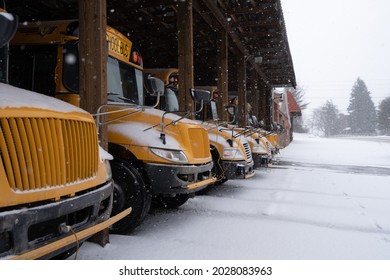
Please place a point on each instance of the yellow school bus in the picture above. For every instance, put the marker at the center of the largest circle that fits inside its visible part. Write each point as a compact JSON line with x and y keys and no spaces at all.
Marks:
{"x":55,"y":181}
{"x":157,"y":156}
{"x":261,"y":155}
{"x":272,"y":140}
{"x":231,"y":156}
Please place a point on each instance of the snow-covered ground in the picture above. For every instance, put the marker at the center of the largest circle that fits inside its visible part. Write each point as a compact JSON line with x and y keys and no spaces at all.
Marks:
{"x":326,"y":199}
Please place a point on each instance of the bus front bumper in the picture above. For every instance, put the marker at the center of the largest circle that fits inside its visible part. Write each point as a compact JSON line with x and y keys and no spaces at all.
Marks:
{"x":238,"y":169}
{"x":176,"y":179}
{"x":261,"y":159}
{"x":29,"y":229}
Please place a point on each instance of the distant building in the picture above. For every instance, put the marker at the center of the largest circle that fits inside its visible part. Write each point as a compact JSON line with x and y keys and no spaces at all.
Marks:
{"x":285,"y":109}
{"x":281,"y":118}
{"x":294,"y":110}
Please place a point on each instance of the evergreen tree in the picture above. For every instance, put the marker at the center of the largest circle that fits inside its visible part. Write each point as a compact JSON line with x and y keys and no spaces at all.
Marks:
{"x":361,"y":109}
{"x":384,"y":116}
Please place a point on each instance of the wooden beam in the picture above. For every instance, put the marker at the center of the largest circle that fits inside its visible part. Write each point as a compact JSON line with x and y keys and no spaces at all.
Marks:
{"x":93,"y":51}
{"x":93,"y":70}
{"x":185,"y":54}
{"x":255,"y":23}
{"x":149,"y":4}
{"x":263,"y":102}
{"x":222,"y":61}
{"x":241,"y":88}
{"x":251,"y":10}
{"x":254,"y":88}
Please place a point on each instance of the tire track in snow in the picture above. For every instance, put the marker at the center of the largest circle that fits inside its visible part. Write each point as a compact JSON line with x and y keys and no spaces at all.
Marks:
{"x":213,"y":213}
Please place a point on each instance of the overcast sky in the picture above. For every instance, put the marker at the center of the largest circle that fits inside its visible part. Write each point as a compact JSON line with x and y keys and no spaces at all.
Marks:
{"x":333,"y":42}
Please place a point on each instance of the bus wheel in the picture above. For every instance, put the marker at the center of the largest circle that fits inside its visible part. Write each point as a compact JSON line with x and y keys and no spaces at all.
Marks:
{"x":171,"y":202}
{"x":130,"y":190}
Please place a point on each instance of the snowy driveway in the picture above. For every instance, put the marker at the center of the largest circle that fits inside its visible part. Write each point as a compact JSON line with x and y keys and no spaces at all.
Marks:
{"x":325,"y":199}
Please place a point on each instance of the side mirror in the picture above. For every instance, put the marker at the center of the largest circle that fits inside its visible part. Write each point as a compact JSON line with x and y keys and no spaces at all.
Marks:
{"x":231,"y":109}
{"x":255,"y":121}
{"x":199,"y":94}
{"x":8,"y":26}
{"x":214,"y":111}
{"x":262,"y":123}
{"x":154,"y":86}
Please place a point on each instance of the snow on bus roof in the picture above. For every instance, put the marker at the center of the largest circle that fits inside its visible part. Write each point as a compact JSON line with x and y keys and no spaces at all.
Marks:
{"x":13,"y":97}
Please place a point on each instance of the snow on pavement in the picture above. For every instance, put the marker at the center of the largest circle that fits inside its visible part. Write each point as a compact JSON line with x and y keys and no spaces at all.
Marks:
{"x":301,"y":208}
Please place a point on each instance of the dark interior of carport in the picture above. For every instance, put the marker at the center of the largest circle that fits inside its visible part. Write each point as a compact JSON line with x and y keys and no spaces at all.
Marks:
{"x":239,"y":45}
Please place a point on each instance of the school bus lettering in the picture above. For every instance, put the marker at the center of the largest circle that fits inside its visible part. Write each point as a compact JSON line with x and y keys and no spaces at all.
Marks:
{"x":118,"y":46}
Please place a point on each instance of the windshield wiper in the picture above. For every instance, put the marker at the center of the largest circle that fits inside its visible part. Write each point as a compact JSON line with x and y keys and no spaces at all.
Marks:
{"x":111,"y":93}
{"x":118,"y":96}
{"x":126,"y":99}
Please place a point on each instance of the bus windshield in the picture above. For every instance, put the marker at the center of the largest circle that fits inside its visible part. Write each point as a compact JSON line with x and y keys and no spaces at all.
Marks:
{"x":124,"y":82}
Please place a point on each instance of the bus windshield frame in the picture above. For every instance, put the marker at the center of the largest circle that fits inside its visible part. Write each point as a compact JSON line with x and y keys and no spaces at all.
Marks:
{"x":124,"y":81}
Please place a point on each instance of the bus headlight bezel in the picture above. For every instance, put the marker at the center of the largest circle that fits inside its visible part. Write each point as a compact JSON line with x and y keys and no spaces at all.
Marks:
{"x":232,"y":153}
{"x":176,"y":156}
{"x":259,"y":149}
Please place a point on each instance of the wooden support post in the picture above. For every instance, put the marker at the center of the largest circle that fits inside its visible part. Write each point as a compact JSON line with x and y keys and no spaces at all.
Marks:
{"x":263,"y":102}
{"x":254,"y":94}
{"x":222,"y":68}
{"x":268,"y":107}
{"x":93,"y":70}
{"x":241,"y":88}
{"x":185,"y":54}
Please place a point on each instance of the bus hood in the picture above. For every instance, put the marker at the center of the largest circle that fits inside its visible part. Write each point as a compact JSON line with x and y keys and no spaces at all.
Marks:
{"x":13,"y":97}
{"x":144,"y":128}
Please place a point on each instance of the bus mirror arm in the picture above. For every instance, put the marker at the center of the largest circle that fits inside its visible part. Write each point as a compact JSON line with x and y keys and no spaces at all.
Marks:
{"x":200,"y":109}
{"x":163,"y":126}
{"x":227,"y":129}
{"x":99,"y":113}
{"x":157,"y":102}
{"x":253,"y":131}
{"x":233,"y":120}
{"x":247,"y":131}
{"x":217,"y":124}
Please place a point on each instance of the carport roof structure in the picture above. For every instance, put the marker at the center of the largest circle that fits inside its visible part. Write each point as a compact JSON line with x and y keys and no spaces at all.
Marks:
{"x":256,"y":28}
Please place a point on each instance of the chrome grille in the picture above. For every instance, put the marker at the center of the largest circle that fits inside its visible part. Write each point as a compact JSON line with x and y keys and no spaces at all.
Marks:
{"x":248,"y":153}
{"x":45,"y":152}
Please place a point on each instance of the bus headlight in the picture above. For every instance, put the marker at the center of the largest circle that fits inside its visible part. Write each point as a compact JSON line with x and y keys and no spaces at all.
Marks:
{"x":232,"y":153}
{"x":171,"y":155}
{"x":259,"y":149}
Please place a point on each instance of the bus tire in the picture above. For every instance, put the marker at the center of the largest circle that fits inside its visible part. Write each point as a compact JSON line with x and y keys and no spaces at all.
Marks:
{"x":130,"y":190}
